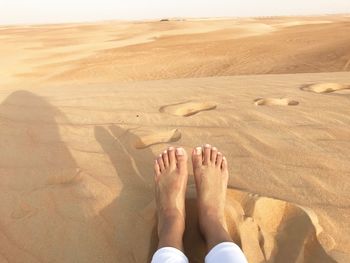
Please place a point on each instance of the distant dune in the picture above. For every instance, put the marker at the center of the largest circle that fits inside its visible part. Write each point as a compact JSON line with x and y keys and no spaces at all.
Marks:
{"x":85,"y":108}
{"x":176,"y":49}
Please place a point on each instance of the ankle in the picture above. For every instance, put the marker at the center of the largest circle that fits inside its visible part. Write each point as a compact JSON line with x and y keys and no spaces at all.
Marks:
{"x":170,"y":231}
{"x":172,"y":213}
{"x":214,"y":230}
{"x":216,"y":235}
{"x":212,"y":215}
{"x":209,"y":224}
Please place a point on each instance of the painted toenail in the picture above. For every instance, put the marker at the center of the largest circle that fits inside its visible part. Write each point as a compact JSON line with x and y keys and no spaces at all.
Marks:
{"x":198,"y":150}
{"x":180,"y":151}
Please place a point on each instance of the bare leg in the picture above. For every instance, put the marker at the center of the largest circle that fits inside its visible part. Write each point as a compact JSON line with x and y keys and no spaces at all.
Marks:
{"x":170,"y":183}
{"x":211,"y":177}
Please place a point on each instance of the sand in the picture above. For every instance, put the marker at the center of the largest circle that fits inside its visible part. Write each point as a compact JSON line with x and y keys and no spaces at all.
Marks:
{"x":84,"y":108}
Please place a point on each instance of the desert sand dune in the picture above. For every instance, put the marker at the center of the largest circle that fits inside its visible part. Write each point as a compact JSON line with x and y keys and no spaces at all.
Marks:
{"x":121,"y":51}
{"x":85,"y":108}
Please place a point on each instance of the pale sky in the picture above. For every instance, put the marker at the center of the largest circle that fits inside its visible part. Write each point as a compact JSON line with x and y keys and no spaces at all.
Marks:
{"x":53,"y":11}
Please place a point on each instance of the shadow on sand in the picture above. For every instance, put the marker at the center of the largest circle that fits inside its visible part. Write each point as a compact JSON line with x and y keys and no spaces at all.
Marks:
{"x":44,"y":202}
{"x":133,"y":212}
{"x":37,"y":180}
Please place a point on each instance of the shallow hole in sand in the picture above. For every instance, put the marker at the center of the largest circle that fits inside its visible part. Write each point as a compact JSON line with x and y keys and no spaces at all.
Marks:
{"x":188,"y":108}
{"x":275,"y":102}
{"x":325,"y":87}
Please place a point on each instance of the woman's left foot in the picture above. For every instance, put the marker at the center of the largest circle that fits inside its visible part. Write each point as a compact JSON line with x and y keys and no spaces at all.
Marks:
{"x":171,"y":177}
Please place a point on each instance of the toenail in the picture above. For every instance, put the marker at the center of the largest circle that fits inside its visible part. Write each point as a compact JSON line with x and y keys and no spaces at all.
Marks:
{"x":198,"y":150}
{"x":207,"y":145}
{"x":171,"y":148}
{"x":214,"y":149}
{"x":219,"y":153}
{"x":165,"y":152}
{"x":180,"y":151}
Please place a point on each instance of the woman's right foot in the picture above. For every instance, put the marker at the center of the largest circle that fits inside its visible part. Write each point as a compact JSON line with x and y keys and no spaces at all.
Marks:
{"x":211,"y":178}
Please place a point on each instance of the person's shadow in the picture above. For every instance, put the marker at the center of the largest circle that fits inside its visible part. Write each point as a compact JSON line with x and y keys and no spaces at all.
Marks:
{"x":47,"y":200}
{"x":132,"y":213}
{"x":39,"y":181}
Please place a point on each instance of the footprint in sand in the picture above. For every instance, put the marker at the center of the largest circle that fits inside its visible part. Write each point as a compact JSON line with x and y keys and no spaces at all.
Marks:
{"x":324,"y":87}
{"x":275,"y":101}
{"x":146,"y":138}
{"x":188,"y":108}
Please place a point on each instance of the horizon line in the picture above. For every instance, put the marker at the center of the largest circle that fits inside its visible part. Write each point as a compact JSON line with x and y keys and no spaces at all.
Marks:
{"x":170,"y":19}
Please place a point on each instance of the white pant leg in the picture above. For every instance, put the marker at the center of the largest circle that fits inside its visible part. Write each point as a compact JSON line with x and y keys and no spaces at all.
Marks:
{"x":226,"y":252}
{"x":169,"y":255}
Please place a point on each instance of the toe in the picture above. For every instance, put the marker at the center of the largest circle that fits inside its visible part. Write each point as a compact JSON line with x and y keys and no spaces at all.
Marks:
{"x":165,"y":159}
{"x":218,"y":159}
{"x":160,"y":163}
{"x":156,"y":168}
{"x":181,"y":159}
{"x":214,"y":152}
{"x":207,"y":154}
{"x":172,"y":157}
{"x":197,"y":157}
{"x":224,"y":165}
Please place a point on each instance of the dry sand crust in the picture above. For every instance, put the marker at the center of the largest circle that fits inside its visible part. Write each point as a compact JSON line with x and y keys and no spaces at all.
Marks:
{"x":85,"y":108}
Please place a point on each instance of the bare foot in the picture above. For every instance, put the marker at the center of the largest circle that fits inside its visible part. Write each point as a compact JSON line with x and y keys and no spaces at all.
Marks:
{"x":211,"y":177}
{"x":170,"y":183}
